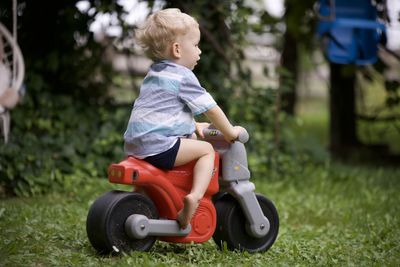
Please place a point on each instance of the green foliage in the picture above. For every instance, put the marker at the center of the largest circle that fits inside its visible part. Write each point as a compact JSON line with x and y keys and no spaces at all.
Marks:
{"x":60,"y":130}
{"x":300,"y":20}
{"x":60,"y":135}
{"x":57,"y":139}
{"x":378,"y":110}
{"x":61,"y":55}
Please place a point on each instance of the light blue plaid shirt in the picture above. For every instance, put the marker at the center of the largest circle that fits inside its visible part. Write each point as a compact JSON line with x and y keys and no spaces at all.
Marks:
{"x":170,"y":97}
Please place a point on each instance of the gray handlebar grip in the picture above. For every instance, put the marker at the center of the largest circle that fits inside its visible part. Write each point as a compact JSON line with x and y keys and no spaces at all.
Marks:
{"x":214,"y":134}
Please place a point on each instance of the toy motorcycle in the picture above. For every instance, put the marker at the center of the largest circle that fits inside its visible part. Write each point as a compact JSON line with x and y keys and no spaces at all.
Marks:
{"x":230,"y":211}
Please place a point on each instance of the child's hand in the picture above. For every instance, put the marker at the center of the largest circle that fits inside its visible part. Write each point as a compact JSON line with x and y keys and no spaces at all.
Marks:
{"x":236,"y":130}
{"x":200,"y":126}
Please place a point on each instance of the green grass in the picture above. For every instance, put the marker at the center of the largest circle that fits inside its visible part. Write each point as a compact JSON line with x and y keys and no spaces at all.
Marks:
{"x":331,"y":214}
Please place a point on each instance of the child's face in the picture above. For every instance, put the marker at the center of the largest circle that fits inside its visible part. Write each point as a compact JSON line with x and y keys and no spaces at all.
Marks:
{"x":189,"y":48}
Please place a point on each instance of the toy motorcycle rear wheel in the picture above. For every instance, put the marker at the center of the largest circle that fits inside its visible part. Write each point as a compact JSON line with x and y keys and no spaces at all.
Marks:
{"x":231,"y":225}
{"x":105,"y":225}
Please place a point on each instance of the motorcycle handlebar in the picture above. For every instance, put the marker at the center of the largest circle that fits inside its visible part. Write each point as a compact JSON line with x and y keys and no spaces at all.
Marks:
{"x":214,"y":134}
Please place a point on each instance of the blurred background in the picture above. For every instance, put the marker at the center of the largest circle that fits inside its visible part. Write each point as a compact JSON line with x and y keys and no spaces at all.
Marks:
{"x":261,"y":60}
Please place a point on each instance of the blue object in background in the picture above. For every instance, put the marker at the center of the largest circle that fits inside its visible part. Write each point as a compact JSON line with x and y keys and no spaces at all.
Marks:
{"x":350,"y":30}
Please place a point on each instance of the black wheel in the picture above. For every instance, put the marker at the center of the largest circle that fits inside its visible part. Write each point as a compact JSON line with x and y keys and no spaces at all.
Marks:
{"x":231,"y":225}
{"x":105,"y":224}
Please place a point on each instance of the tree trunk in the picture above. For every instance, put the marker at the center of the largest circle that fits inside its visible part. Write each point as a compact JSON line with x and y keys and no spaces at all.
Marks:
{"x":289,"y":63}
{"x":343,"y":130}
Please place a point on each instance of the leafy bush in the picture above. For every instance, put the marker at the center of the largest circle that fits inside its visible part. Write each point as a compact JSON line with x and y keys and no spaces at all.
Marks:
{"x":57,"y":143}
{"x":59,"y":138}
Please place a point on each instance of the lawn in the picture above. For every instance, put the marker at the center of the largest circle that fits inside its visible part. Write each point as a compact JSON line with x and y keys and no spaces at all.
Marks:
{"x":330,"y":214}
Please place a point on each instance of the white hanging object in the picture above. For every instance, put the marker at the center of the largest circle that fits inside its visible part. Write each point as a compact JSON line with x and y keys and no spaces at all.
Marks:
{"x":12,"y":70}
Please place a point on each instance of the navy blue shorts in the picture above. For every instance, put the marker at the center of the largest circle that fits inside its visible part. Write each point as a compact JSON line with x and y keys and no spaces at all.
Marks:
{"x":166,"y":159}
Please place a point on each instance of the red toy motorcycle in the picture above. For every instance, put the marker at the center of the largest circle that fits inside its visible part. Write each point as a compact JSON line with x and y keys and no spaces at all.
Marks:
{"x":229,"y":212}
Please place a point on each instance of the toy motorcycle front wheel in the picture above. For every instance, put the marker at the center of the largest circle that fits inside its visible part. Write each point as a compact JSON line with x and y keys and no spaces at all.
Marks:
{"x":231,"y":225}
{"x":105,"y":225}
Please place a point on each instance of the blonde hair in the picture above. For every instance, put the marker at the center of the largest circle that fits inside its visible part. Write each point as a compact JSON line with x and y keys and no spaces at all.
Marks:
{"x":161,"y":30}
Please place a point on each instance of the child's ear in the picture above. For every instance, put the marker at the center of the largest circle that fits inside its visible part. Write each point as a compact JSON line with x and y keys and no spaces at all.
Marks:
{"x":176,"y":50}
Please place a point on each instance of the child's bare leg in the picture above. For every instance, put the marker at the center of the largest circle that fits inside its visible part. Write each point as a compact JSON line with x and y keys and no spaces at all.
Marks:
{"x":190,"y":150}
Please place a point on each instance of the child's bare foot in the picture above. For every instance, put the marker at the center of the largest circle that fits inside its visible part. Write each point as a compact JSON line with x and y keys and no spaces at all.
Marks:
{"x":190,"y":205}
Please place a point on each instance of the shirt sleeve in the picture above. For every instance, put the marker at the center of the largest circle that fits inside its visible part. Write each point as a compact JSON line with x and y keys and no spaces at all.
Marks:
{"x":195,"y":96}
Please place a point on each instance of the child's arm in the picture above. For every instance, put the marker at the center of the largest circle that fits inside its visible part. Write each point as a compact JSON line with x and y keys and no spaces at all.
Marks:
{"x":221,"y":122}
